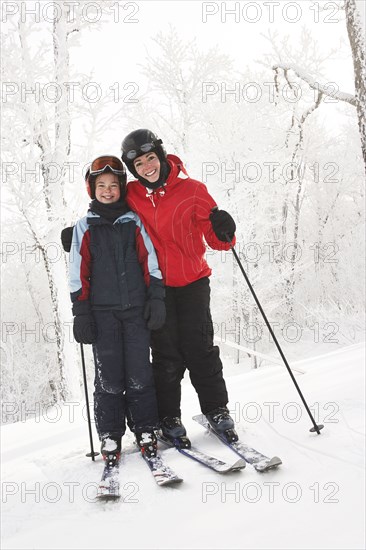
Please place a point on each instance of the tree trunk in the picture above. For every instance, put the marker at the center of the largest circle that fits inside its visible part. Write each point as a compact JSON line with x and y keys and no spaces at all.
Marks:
{"x":69,"y":381}
{"x":356,"y":38}
{"x":47,"y":237}
{"x":290,"y":290}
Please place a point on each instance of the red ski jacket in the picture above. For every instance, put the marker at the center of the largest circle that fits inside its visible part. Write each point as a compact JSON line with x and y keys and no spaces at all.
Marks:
{"x":176,"y":218}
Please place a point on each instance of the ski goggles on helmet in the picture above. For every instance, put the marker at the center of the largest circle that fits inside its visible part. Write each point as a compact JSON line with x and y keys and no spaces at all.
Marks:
{"x":143,"y":149}
{"x":100,"y":164}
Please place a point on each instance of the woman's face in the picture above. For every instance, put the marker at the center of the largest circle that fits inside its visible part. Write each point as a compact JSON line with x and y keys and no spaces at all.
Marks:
{"x":107,"y":189}
{"x":148,"y":167}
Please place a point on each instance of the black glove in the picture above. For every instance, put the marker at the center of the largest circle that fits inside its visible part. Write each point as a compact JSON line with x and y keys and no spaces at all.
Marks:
{"x":155,"y":311}
{"x":222,"y":224}
{"x":85,"y":329}
{"x":155,"y":314}
{"x":66,"y":238}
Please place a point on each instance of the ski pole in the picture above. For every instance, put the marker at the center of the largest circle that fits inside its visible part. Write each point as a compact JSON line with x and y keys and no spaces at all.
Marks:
{"x":92,"y":453}
{"x":316,"y":427}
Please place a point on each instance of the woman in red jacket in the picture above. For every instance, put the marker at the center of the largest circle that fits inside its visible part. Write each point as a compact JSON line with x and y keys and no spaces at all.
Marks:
{"x":179,"y":215}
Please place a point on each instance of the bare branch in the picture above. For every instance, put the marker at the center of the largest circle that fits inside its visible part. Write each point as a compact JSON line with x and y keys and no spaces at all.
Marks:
{"x":341,"y":96}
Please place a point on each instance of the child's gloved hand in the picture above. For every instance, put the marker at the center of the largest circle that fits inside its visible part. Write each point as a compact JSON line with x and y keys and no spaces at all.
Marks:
{"x":85,"y":330}
{"x":222,"y":224}
{"x":66,"y":238}
{"x":155,"y":313}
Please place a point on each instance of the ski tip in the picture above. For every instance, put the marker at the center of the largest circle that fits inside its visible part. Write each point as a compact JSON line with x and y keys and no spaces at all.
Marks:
{"x":227,"y":469}
{"x":239,"y":464}
{"x":170,"y":481}
{"x":199,"y":417}
{"x":274,"y":462}
{"x":108,"y":498}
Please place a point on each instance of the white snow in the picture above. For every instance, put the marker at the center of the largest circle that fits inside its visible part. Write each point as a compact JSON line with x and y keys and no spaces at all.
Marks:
{"x":315,"y":500}
{"x":110,"y":444}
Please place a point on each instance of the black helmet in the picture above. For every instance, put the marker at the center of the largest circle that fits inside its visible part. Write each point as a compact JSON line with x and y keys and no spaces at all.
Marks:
{"x":138,"y":143}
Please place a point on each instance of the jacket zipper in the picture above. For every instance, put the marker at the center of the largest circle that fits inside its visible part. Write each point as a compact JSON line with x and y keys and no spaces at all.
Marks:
{"x":150,"y":196}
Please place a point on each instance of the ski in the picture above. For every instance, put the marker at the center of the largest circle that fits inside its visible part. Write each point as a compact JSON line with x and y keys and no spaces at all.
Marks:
{"x":259,"y":461}
{"x":182,"y":444}
{"x":108,"y":488}
{"x":161,"y":472}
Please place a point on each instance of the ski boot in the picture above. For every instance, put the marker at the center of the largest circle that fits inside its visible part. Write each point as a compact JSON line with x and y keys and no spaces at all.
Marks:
{"x":222,"y":423}
{"x":147,"y":443}
{"x":111,"y":449}
{"x":173,"y":430}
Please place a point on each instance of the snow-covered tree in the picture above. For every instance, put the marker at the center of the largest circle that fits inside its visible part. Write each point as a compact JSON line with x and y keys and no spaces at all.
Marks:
{"x":356,"y":35}
{"x":38,"y":139}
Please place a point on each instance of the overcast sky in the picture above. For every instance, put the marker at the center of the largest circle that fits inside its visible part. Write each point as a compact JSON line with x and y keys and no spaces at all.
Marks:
{"x":236,"y":27}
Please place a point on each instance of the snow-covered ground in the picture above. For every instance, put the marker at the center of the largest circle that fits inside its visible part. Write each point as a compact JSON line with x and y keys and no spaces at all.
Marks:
{"x":315,"y":500}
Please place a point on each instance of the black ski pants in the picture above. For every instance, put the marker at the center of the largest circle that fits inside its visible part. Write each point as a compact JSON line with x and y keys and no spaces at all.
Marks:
{"x":186,"y":342}
{"x":124,"y":382}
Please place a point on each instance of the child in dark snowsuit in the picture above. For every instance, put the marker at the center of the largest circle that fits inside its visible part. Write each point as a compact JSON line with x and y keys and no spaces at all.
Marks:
{"x":118,"y":295}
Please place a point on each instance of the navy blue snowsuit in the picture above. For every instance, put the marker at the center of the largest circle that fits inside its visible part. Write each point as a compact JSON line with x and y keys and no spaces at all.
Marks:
{"x":115,"y":268}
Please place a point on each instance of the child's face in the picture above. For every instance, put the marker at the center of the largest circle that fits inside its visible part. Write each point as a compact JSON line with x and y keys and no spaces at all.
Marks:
{"x":107,"y":189}
{"x":148,"y":167}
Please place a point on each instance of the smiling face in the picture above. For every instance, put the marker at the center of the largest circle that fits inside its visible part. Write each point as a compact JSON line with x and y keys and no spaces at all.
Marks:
{"x":148,"y":167}
{"x":107,"y":188}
